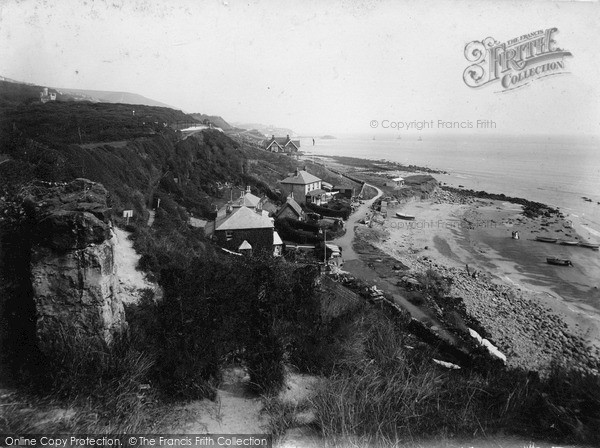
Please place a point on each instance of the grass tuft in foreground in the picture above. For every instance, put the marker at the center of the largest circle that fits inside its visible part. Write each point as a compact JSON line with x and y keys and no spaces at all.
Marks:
{"x":394,"y":393}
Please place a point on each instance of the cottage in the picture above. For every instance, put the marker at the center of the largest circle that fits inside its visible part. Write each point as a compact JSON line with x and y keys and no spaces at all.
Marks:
{"x":46,"y":96}
{"x":244,"y":224}
{"x":267,"y":205}
{"x":395,"y":182}
{"x":304,"y":187}
{"x":247,"y":199}
{"x":281,"y":144}
{"x":291,"y":209}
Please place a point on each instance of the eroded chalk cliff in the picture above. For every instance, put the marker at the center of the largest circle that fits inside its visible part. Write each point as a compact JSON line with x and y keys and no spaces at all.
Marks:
{"x":73,"y":276}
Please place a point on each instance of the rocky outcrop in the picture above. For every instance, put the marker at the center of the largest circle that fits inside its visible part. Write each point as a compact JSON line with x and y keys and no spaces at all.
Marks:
{"x":72,"y":264}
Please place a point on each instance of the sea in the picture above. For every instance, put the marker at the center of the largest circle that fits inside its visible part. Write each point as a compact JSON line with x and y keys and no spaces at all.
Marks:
{"x":560,"y":171}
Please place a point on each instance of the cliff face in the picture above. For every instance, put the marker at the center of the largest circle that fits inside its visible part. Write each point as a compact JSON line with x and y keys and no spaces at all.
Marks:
{"x":72,"y":264}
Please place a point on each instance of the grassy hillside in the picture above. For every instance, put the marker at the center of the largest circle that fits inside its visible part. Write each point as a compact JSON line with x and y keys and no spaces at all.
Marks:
{"x":58,"y":123}
{"x":111,"y":97}
{"x":14,"y":92}
{"x":136,"y":162}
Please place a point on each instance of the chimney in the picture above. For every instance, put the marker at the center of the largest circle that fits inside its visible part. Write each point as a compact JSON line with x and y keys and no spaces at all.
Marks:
{"x":288,"y":136}
{"x":247,"y":188}
{"x":304,"y":167}
{"x":296,"y":173}
{"x":273,"y":137}
{"x":228,"y":209}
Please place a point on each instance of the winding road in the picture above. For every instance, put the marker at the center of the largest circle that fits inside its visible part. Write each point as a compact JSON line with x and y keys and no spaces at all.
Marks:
{"x":345,"y":241}
{"x":357,"y":267}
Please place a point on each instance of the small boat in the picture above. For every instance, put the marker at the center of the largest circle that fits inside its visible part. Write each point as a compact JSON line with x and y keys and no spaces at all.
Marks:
{"x":590,"y":245}
{"x":404,"y":216}
{"x":569,"y":243}
{"x":559,"y":261}
{"x":545,"y":239}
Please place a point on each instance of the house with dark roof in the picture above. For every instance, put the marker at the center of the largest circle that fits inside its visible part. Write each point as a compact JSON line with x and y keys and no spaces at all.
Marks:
{"x":282,"y":144}
{"x":304,"y":187}
{"x":291,"y":209}
{"x":243,"y":224}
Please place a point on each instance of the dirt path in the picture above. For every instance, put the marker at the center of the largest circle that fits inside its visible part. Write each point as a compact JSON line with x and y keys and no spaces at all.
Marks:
{"x":131,"y":281}
{"x":233,"y":412}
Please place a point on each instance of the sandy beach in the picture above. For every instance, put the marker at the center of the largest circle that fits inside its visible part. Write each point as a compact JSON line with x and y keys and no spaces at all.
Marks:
{"x":534,"y":312}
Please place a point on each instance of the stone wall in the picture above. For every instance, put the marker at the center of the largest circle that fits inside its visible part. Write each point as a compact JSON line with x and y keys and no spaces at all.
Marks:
{"x":72,"y":264}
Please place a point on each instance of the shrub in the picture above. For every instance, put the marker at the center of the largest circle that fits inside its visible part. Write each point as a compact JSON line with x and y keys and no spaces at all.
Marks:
{"x":341,"y":212}
{"x":257,"y":309}
{"x":109,"y":377}
{"x":297,"y":235}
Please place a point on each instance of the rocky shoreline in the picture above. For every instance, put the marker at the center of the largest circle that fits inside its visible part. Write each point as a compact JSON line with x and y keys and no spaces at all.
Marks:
{"x":531,"y":209}
{"x":532,"y":335}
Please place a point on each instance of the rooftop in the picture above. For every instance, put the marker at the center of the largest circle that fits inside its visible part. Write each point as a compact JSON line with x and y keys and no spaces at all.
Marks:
{"x":243,"y":218}
{"x":301,"y":177}
{"x":294,"y":205}
{"x":249,"y":200}
{"x":245,"y":246}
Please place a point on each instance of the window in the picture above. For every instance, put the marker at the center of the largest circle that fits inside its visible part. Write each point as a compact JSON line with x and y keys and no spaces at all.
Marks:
{"x":228,"y":235}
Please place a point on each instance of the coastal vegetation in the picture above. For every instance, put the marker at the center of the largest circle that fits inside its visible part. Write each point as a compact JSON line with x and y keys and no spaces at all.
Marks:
{"x":334,"y":209}
{"x":394,"y":393}
{"x":264,"y":314}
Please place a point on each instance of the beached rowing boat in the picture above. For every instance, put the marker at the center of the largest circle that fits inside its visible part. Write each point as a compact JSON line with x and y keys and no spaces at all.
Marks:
{"x":569,"y":243}
{"x":559,"y":261}
{"x":404,"y":216}
{"x":590,"y":245}
{"x":545,"y":239}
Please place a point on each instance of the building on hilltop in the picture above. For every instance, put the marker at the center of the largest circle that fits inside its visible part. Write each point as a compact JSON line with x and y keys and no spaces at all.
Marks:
{"x":46,"y":96}
{"x":304,"y":187}
{"x":282,"y":144}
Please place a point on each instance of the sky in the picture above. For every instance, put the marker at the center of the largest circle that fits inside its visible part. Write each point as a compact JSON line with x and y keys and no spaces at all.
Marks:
{"x":336,"y":66}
